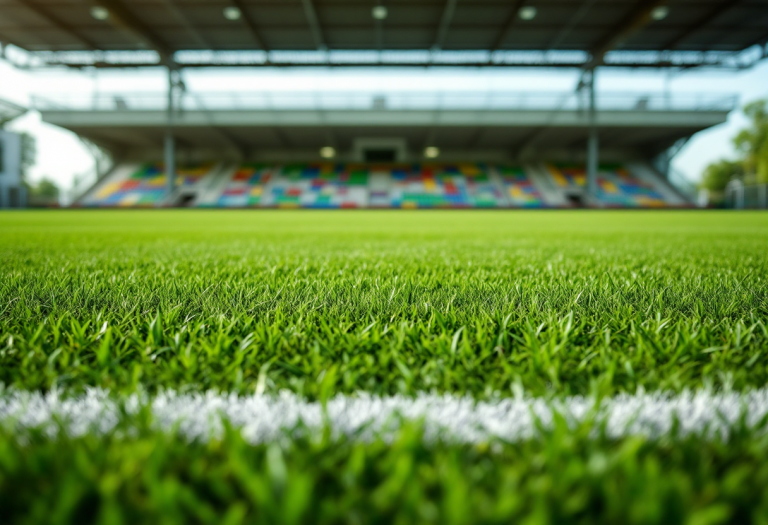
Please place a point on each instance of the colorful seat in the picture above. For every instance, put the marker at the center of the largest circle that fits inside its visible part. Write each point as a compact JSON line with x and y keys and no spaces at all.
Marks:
{"x":520,"y":189}
{"x":246,"y":186}
{"x":616,"y":185}
{"x":146,"y":186}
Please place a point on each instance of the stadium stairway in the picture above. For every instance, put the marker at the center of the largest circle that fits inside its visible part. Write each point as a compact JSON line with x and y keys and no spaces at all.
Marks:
{"x":552,"y":195}
{"x":347,"y":185}
{"x":650,"y":176}
{"x":207,"y":192}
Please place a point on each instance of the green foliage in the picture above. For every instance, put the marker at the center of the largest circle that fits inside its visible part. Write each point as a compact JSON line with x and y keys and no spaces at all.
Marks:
{"x":46,"y":189}
{"x":752,"y":145}
{"x":565,"y":477}
{"x":467,"y":303}
{"x":718,"y":174}
{"x":752,"y":142}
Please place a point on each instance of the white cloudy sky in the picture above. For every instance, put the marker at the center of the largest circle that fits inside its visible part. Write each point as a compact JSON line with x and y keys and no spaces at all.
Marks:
{"x":61,"y":156}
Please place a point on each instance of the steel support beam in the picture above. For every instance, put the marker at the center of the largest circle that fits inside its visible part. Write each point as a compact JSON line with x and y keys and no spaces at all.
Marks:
{"x":707,"y":19}
{"x":445,"y":23}
{"x":511,"y":19}
{"x":181,"y":17}
{"x":571,"y":25}
{"x":170,"y":139}
{"x":250,"y":24}
{"x":314,"y":24}
{"x":632,"y":24}
{"x":170,"y":162}
{"x":124,"y":19}
{"x":59,"y":24}
{"x":593,"y":140}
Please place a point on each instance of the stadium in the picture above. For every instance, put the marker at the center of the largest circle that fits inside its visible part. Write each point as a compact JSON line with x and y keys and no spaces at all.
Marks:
{"x":246,"y":316}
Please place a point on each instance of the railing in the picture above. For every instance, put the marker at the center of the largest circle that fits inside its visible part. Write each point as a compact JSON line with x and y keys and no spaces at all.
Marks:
{"x":397,"y":101}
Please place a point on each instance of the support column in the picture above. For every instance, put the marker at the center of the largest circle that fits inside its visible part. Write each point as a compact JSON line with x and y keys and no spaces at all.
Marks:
{"x":592,"y":141}
{"x":170,"y":162}
{"x":170,"y":139}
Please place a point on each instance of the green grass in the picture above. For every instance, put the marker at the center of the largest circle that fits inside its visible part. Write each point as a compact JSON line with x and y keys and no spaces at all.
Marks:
{"x":558,"y":303}
{"x":565,"y":478}
{"x":470,"y":303}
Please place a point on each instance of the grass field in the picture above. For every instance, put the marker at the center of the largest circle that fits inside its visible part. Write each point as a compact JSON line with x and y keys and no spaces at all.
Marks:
{"x":479,"y":306}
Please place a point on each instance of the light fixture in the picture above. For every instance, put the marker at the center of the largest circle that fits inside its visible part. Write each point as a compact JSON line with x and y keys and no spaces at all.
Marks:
{"x":431,"y":152}
{"x":660,"y":12}
{"x":379,"y":12}
{"x":99,"y":12}
{"x":527,"y":12}
{"x":327,"y":152}
{"x":232,"y":13}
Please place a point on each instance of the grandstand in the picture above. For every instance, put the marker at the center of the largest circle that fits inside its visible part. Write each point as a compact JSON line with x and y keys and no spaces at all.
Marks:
{"x":454,"y":150}
{"x":504,"y":151}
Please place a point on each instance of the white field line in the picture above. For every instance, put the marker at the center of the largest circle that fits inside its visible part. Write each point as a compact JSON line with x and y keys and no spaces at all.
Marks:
{"x":267,"y":418}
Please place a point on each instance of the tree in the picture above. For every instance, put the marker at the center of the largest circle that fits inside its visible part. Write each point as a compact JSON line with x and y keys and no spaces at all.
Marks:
{"x":751,"y":145}
{"x":45,"y":189}
{"x":718,"y":174}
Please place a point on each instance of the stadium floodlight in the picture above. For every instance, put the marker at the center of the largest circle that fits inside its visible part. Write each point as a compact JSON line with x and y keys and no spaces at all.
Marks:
{"x":99,"y":12}
{"x":379,"y":12}
{"x":660,"y":12}
{"x":327,"y":152}
{"x":232,"y":13}
{"x":527,"y":12}
{"x":431,"y":152}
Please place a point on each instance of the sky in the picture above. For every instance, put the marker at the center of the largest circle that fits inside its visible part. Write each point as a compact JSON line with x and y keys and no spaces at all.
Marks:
{"x":61,"y":156}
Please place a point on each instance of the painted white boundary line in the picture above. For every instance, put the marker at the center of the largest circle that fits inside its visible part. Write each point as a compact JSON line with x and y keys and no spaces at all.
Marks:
{"x":266,"y":418}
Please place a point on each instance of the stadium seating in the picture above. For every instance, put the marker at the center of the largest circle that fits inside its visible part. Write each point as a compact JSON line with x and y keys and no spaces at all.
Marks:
{"x":444,"y":186}
{"x":341,"y":185}
{"x":616,"y":186}
{"x":317,"y":186}
{"x":246,"y":187}
{"x":357,"y":185}
{"x":520,"y":190}
{"x":145,"y":187}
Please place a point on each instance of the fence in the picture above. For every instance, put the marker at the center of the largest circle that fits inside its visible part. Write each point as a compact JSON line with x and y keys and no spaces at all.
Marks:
{"x":742,"y":197}
{"x":403,"y":100}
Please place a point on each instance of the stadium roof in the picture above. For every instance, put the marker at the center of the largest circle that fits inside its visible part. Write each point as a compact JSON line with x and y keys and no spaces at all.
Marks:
{"x":489,"y":28}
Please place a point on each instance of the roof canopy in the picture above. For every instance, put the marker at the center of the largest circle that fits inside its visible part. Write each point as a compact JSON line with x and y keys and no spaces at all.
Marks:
{"x":594,"y":27}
